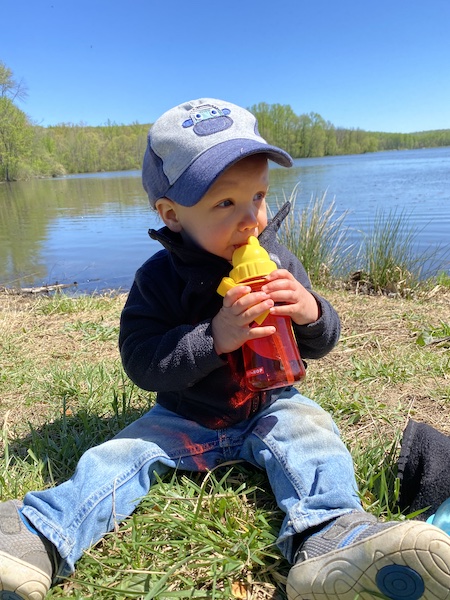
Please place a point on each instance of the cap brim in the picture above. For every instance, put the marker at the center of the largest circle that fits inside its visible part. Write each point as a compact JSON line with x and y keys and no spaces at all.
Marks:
{"x":193,"y":184}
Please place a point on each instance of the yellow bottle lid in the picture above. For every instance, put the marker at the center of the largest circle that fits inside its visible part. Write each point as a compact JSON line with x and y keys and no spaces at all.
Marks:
{"x":251,"y":260}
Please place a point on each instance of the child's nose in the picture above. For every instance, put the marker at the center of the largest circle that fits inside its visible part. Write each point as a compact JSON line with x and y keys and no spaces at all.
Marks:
{"x":248,"y":221}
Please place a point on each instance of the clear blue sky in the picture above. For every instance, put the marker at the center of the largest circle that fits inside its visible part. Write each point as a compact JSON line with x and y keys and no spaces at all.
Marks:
{"x":379,"y":65}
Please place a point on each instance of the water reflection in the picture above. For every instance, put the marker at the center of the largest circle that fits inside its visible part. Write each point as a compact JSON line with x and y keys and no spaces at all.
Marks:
{"x":71,"y":229}
{"x":93,"y":229}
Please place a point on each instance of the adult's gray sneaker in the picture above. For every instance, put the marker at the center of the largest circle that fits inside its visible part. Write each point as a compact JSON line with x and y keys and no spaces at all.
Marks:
{"x":357,"y":557}
{"x":26,"y":559}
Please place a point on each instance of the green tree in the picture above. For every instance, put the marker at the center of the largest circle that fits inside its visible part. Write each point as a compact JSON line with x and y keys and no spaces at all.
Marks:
{"x":330,"y":139}
{"x":15,"y":129}
{"x":9,"y":87}
{"x":278,"y":124}
{"x":318,"y":135}
{"x":15,"y":139}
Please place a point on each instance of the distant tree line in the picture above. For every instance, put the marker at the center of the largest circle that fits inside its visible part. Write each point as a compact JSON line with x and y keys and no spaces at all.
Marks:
{"x":309,"y":135}
{"x":28,"y":150}
{"x":84,"y":149}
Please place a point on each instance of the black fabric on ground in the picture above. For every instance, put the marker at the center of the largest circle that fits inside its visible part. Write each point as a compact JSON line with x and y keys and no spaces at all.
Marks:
{"x":423,"y":469}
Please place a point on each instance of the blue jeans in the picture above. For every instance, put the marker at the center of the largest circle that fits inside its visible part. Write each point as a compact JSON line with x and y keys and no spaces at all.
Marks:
{"x":294,"y":440}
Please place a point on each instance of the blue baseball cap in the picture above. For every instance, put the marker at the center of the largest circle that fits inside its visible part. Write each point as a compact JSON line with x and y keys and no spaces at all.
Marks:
{"x":190,"y":145}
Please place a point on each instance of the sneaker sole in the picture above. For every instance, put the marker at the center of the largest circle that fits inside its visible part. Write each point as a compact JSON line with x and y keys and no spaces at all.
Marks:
{"x":407,"y":562}
{"x":12,"y":570}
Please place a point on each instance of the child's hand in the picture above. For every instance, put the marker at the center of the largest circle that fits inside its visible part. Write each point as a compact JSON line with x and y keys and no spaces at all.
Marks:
{"x":291,"y":298}
{"x":231,"y":326}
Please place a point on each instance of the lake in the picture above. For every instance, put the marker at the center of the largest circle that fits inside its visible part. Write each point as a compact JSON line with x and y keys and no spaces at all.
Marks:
{"x":92,"y":229}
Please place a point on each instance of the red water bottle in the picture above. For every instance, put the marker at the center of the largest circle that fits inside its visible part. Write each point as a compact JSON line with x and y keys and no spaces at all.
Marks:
{"x":273,"y":361}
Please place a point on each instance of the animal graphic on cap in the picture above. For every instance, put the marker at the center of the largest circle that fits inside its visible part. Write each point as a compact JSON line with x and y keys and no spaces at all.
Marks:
{"x":208,"y":119}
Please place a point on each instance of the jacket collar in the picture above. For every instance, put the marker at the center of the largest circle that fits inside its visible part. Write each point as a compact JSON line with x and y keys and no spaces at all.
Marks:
{"x":194,"y":256}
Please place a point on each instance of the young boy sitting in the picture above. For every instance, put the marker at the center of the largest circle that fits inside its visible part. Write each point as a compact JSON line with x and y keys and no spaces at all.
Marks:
{"x":206,"y":173}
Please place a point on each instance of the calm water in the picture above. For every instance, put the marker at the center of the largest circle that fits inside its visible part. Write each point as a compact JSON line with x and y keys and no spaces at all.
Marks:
{"x":92,"y":229}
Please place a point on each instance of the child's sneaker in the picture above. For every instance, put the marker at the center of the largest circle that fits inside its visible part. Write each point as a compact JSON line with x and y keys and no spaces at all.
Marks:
{"x":358,"y":557}
{"x":26,"y":559}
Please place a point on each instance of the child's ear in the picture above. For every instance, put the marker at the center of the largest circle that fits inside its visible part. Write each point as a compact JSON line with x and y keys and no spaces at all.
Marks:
{"x":167,"y":210}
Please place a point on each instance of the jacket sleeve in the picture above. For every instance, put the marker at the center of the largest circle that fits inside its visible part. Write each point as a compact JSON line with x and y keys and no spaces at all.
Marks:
{"x":156,"y":355}
{"x":316,"y":339}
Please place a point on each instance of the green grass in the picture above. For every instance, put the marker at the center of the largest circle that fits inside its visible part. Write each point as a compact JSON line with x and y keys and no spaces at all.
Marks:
{"x":206,"y":536}
{"x":443,"y":279}
{"x":209,"y":535}
{"x":439,"y":335}
{"x":60,"y":303}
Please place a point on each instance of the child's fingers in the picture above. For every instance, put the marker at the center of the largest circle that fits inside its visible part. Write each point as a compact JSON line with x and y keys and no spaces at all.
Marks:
{"x":235,"y":294}
{"x":260,"y":332}
{"x":247,"y":305}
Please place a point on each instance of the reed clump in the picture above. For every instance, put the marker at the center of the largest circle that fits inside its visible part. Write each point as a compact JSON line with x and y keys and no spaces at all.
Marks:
{"x":318,"y":236}
{"x":385,"y":259}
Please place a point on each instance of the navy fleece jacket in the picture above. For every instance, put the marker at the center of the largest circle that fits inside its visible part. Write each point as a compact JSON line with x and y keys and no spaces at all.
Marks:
{"x":166,"y":341}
